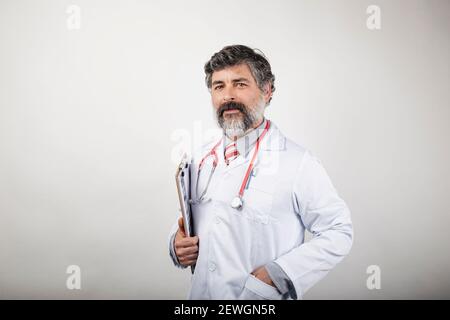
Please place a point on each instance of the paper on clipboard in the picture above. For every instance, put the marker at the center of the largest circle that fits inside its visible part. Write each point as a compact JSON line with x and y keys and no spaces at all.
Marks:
{"x":182,"y":178}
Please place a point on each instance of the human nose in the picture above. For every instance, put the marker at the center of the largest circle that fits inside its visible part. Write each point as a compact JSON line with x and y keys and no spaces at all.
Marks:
{"x":228,"y":94}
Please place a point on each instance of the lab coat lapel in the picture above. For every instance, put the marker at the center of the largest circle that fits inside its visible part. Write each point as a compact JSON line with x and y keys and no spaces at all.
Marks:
{"x":274,"y":141}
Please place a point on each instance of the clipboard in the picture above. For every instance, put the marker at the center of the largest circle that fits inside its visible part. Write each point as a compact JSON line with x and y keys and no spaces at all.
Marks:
{"x":182,"y":179}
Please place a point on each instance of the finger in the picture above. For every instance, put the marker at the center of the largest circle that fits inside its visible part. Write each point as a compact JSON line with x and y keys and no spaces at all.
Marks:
{"x":193,"y":256}
{"x":189,"y":263}
{"x":187,"y":242}
{"x":186,"y":251}
{"x":182,"y":245}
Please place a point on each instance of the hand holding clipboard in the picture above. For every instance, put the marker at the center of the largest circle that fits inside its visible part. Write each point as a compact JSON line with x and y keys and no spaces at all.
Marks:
{"x":186,"y":244}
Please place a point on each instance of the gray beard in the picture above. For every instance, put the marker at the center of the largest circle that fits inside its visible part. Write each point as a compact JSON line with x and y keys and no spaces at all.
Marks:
{"x":237,"y":126}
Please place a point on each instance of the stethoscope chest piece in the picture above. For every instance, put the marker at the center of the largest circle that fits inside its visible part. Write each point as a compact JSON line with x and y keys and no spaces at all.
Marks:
{"x":237,"y":203}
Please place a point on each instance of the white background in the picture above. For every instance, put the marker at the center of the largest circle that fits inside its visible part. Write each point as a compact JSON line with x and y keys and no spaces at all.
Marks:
{"x":89,"y":120}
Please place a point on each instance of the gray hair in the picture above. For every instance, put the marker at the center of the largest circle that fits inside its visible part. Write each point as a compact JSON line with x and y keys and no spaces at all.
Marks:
{"x":239,"y":54}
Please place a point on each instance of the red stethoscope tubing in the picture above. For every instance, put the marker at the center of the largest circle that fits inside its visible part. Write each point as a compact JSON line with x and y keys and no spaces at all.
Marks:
{"x":250,"y":167}
{"x":252,"y":162}
{"x":200,"y":166}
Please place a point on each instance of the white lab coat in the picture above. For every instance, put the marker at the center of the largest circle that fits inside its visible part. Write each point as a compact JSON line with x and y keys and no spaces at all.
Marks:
{"x":290,"y":192}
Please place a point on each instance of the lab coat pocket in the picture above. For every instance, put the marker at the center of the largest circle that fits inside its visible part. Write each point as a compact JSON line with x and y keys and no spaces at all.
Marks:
{"x":259,"y":205}
{"x":255,"y":289}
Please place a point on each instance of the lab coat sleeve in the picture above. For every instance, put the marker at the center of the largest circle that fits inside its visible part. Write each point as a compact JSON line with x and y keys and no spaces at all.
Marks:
{"x":172,"y":253}
{"x":327,"y":217}
{"x":279,"y":278}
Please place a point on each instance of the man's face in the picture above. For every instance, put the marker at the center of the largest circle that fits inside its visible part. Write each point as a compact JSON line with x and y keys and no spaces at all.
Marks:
{"x":238,"y":101}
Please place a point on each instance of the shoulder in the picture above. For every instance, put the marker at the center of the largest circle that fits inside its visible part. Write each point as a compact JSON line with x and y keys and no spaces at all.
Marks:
{"x":279,"y":142}
{"x":298,"y":155}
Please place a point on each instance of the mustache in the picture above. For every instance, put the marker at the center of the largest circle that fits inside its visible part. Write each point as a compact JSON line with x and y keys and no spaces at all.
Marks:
{"x":231,"y":106}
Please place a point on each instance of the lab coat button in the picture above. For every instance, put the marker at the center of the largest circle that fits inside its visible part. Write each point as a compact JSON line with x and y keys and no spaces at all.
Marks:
{"x":212,"y":266}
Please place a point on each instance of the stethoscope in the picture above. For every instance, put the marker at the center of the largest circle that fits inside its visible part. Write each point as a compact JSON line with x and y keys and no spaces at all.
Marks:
{"x":237,"y":201}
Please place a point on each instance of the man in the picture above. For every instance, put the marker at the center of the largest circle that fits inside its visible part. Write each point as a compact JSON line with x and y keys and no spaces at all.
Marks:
{"x":255,"y":194}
